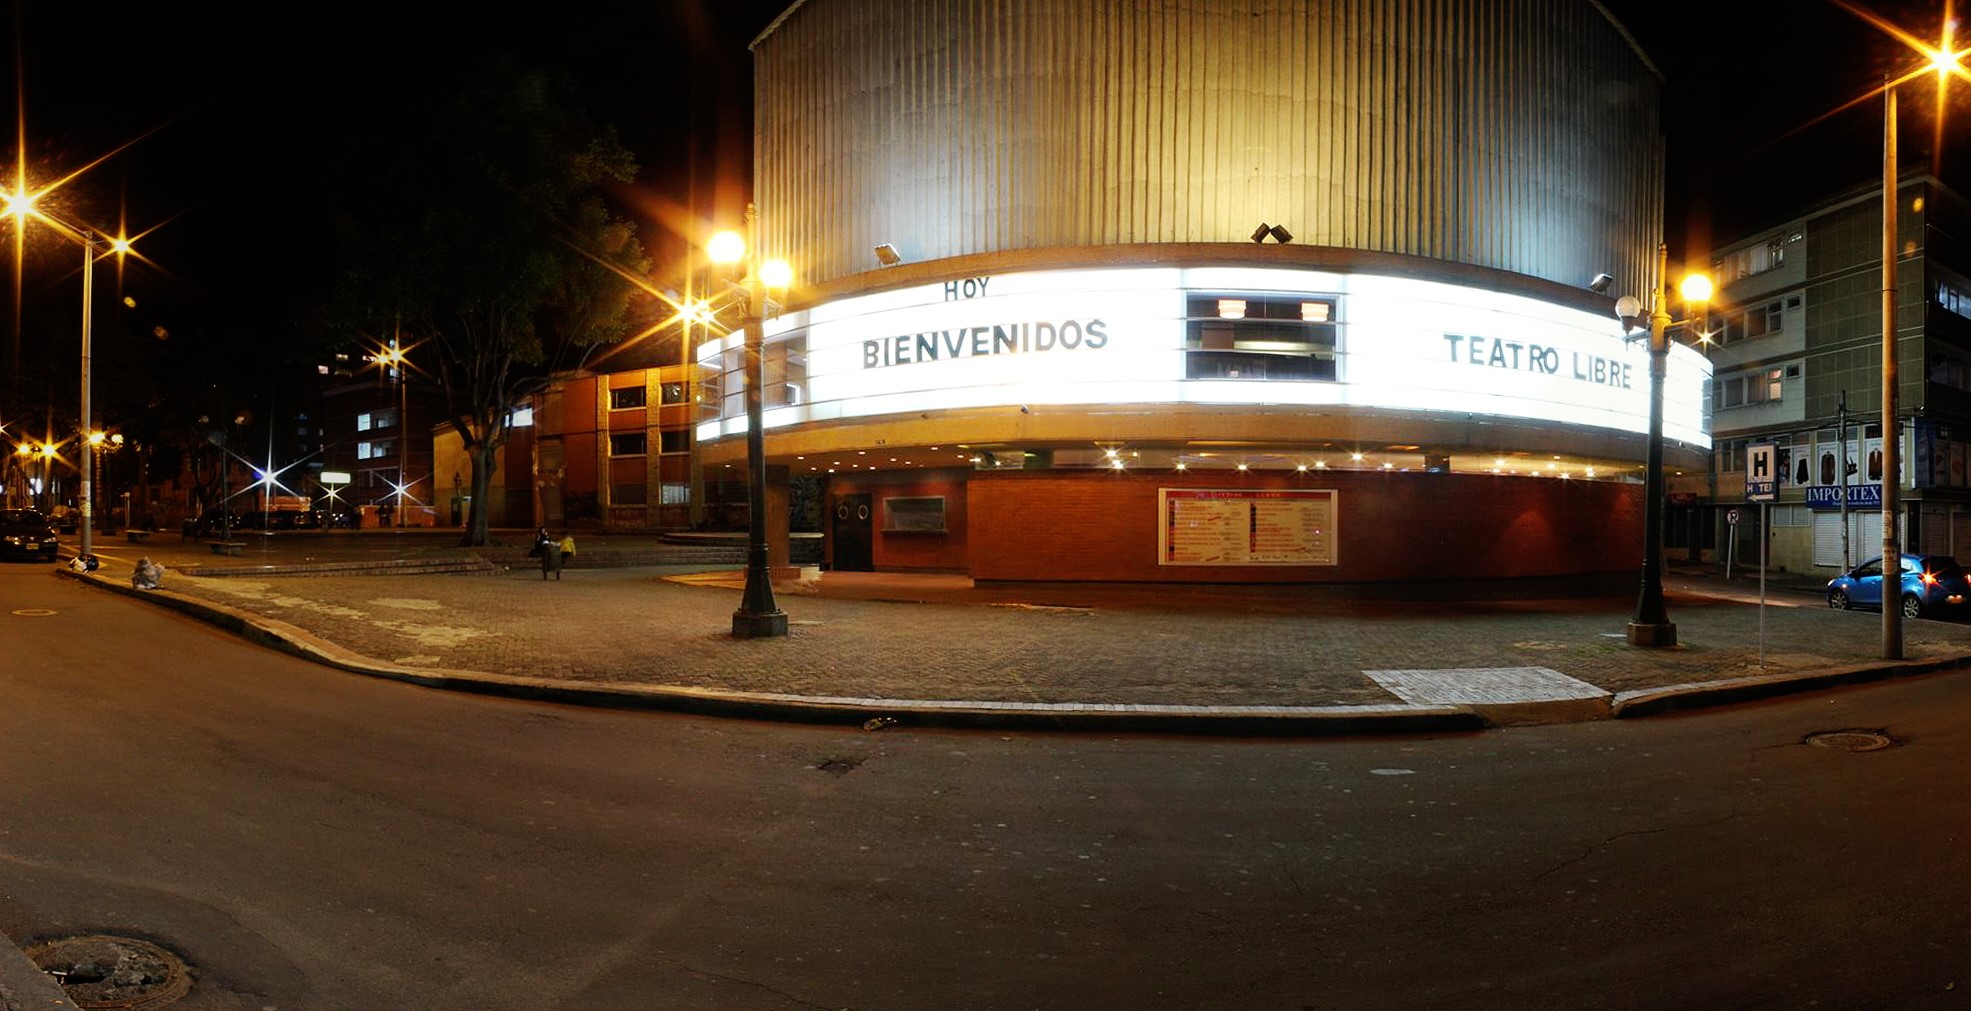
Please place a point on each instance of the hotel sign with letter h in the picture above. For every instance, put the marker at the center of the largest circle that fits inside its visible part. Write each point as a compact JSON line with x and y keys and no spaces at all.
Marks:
{"x":1761,"y":479}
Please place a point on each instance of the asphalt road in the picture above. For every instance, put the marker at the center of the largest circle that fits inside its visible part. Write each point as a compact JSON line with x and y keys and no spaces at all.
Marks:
{"x":310,"y":839}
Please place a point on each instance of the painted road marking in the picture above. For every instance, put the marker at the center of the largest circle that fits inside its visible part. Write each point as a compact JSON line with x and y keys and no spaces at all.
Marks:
{"x":34,"y":612}
{"x":1483,"y":686}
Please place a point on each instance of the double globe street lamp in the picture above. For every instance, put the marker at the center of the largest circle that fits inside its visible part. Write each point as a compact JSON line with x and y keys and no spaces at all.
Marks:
{"x":1651,"y":625}
{"x":758,"y":616}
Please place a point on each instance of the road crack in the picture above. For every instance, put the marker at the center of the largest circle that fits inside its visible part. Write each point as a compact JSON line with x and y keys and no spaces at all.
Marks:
{"x":1591,"y":850}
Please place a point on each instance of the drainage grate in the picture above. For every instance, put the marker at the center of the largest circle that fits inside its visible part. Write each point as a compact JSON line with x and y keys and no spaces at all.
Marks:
{"x":1852,"y":740}
{"x":104,"y":971}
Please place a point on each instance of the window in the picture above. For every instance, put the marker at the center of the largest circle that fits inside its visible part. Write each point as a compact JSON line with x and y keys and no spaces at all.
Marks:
{"x":672,"y":393}
{"x":924,"y":514}
{"x":1753,"y":259}
{"x":383,"y":419}
{"x":674,"y":494}
{"x":522,"y":417}
{"x":629,"y":494}
{"x":628,"y":445}
{"x":628,"y":396}
{"x":1759,"y":387}
{"x":675,"y":440}
{"x":362,"y":422}
{"x":1754,"y":321}
{"x":1249,"y":335}
{"x":1954,"y":299}
{"x":374,"y":450}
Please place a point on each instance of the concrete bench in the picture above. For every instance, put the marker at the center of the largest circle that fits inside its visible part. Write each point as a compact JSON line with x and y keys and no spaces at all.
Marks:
{"x":137,"y":536}
{"x":228,"y":547}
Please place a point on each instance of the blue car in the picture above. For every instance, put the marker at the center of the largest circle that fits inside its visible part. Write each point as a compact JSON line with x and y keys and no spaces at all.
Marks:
{"x":1931,"y":584}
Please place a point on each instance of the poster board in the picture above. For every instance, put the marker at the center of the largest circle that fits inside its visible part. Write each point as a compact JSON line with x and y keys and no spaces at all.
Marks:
{"x":1223,"y":526}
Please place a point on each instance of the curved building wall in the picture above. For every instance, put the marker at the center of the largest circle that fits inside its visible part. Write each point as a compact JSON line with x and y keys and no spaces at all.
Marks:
{"x":1520,"y":135}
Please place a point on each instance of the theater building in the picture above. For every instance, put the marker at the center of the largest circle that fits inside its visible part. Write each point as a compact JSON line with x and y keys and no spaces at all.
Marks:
{"x":1211,"y":291}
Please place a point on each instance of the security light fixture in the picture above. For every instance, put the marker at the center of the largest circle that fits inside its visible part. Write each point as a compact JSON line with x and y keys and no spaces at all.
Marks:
{"x":1600,"y":283}
{"x":1278,"y":232}
{"x":887,"y":255}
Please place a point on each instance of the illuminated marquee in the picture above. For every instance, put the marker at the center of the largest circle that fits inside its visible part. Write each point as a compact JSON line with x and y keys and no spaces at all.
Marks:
{"x":1092,"y":337}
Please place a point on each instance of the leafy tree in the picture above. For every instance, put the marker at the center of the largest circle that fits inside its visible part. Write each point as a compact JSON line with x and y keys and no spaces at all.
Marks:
{"x":478,"y":227}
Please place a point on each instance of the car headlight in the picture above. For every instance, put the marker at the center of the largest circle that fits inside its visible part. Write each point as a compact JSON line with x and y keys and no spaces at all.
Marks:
{"x":14,"y":539}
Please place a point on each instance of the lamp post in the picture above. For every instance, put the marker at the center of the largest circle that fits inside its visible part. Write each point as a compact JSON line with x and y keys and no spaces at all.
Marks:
{"x":1892,"y":614}
{"x":758,"y":616}
{"x":397,"y":358}
{"x":1946,"y":61}
{"x":1651,"y":625}
{"x":20,"y":206}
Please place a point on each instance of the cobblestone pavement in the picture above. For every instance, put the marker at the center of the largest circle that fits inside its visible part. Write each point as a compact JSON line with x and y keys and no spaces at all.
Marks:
{"x":853,"y":635}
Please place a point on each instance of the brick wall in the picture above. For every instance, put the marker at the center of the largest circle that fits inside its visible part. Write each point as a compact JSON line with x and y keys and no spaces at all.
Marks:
{"x":1056,"y":525}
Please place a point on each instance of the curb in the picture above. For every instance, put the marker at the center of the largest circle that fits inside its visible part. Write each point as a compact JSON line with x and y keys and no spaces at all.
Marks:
{"x":876,"y":713}
{"x":23,"y":986}
{"x":1296,"y":721}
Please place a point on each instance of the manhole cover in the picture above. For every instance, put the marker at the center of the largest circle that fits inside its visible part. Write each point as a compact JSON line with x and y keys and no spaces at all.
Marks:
{"x":102,"y":971}
{"x":1851,"y":740}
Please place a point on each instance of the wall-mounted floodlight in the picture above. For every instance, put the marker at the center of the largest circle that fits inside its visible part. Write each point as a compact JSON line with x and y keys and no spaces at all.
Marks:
{"x":1259,"y":234}
{"x":887,"y":255}
{"x":1601,"y":282}
{"x":1280,"y":234}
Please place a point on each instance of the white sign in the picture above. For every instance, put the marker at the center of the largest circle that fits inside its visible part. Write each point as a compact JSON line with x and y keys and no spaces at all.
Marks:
{"x":1092,"y":337}
{"x":334,"y":477}
{"x":1761,"y":473}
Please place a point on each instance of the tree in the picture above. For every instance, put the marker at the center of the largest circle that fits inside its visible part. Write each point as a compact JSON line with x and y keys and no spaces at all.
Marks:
{"x":485,"y":235}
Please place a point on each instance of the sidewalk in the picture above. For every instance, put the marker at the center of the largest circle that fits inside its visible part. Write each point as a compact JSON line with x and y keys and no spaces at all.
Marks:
{"x":927,"y":649}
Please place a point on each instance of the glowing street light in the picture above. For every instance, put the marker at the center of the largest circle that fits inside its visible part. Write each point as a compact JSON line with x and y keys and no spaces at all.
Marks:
{"x":1651,"y":625}
{"x":20,"y":205}
{"x":1946,"y":61}
{"x":758,"y":616}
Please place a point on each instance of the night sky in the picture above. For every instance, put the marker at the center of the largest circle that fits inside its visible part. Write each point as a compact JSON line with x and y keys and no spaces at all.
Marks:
{"x":217,"y":129}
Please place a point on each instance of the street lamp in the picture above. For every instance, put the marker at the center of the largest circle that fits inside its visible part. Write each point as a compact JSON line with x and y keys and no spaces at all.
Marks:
{"x":1946,"y":61}
{"x":1651,"y":625}
{"x":758,"y":616}
{"x":20,"y":206}
{"x":397,"y":358}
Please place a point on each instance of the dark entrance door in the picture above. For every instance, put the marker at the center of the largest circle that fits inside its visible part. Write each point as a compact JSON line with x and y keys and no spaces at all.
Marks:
{"x":853,"y":533}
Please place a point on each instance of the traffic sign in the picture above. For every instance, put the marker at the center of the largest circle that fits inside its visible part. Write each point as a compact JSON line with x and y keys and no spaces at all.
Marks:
{"x":1731,"y":516}
{"x":1761,"y":475}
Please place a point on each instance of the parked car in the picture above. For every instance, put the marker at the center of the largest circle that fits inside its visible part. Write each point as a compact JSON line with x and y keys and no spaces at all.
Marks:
{"x":1930,"y":584}
{"x":26,"y":533}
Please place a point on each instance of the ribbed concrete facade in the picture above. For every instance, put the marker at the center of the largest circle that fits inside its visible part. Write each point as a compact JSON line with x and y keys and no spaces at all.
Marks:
{"x":1520,"y":135}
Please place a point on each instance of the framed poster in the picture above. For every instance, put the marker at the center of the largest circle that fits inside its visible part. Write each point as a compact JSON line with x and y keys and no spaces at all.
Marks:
{"x":1220,"y":526}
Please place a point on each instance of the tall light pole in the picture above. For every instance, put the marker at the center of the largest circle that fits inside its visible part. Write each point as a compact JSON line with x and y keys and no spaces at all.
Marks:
{"x":1651,"y":625}
{"x":20,"y":206}
{"x":1892,"y":556}
{"x":758,"y":616}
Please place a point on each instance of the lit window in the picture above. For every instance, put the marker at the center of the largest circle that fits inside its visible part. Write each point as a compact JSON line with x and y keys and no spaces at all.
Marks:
{"x":628,"y":396}
{"x":1231,"y":308}
{"x":362,"y":422}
